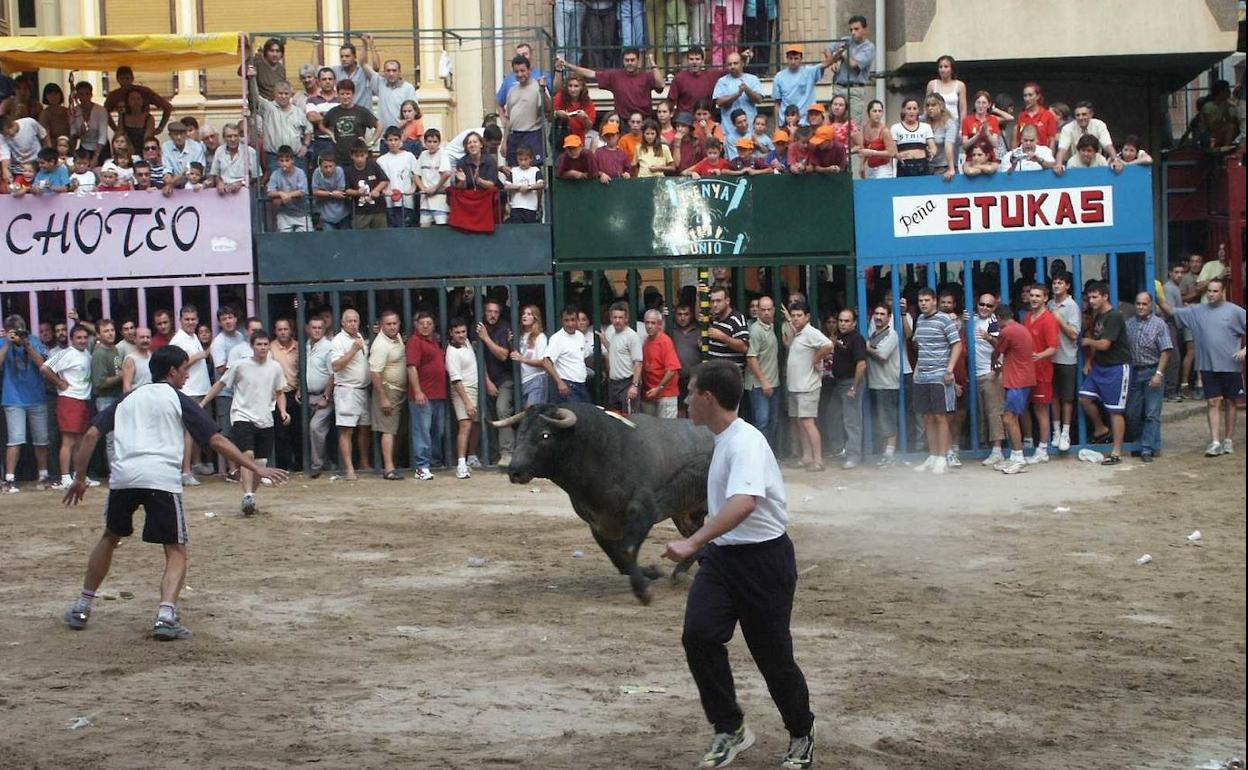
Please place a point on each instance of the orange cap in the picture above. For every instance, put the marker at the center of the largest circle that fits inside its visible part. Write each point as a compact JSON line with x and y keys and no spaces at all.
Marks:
{"x":794,"y":48}
{"x":822,"y":134}
{"x":609,"y":128}
{"x":572,"y":140}
{"x":780,"y":136}
{"x":745,"y":143}
{"x":817,"y":107}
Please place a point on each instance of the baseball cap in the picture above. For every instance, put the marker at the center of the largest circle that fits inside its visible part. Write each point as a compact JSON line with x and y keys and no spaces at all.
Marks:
{"x":572,"y":140}
{"x":823,"y":134}
{"x":609,"y":129}
{"x":745,"y":143}
{"x":817,"y":107}
{"x":780,"y":136}
{"x":794,"y":48}
{"x":683,"y":118}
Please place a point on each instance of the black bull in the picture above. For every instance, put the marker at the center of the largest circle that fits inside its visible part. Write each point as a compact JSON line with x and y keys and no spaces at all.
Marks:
{"x":623,"y":476}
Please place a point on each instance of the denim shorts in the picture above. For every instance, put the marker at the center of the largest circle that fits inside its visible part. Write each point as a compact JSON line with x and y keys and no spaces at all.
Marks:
{"x":16,"y":418}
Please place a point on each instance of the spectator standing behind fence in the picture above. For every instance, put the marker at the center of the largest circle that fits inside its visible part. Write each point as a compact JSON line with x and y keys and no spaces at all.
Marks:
{"x":525,"y":189}
{"x":135,"y":371}
{"x":386,"y":81}
{"x":197,"y":380}
{"x":729,"y":335}
{"x":950,"y":90}
{"x":366,"y":188}
{"x":349,"y":121}
{"x":1014,"y":356}
{"x":660,"y":385}
{"x":529,"y":353}
{"x":106,"y":375}
{"x":695,"y":82}
{"x":496,"y":337}
{"x":329,"y":185}
{"x":70,"y":371}
{"x":1151,"y":349}
{"x":945,"y":136}
{"x":883,"y":381}
{"x":318,"y":352}
{"x":849,"y":373}
{"x":762,"y":374}
{"x":288,"y":193}
{"x":23,"y":399}
{"x":808,"y":347}
{"x":281,"y":122}
{"x":564,"y":360}
{"x":687,"y":338}
{"x":737,"y":90}
{"x":527,"y":104}
{"x":461,"y":367}
{"x":985,"y":331}
{"x":177,"y":154}
{"x":88,"y":122}
{"x":234,"y":166}
{"x":400,"y":167}
{"x":575,"y":162}
{"x":1036,"y":114}
{"x":433,"y":178}
{"x":349,"y":68}
{"x":388,"y":372}
{"x":795,"y":84}
{"x":1106,"y":370}
{"x":916,"y":144}
{"x":1084,"y":124}
{"x":1046,"y":339}
{"x":427,"y":393}
{"x":851,"y":62}
{"x":939,"y":346}
{"x":624,"y":361}
{"x":630,"y":87}
{"x":351,"y":402}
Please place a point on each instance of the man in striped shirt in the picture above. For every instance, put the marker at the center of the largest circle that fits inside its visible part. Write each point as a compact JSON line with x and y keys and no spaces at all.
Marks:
{"x":729,"y":334}
{"x":940,"y":345}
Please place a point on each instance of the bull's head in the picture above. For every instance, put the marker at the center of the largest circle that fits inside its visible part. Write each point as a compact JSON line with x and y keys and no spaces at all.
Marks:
{"x":543,"y":442}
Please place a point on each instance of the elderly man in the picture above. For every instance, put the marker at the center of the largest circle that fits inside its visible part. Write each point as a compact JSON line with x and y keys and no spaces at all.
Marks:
{"x":624,"y":361}
{"x":349,"y":361}
{"x":233,"y":166}
{"x":281,"y":122}
{"x":660,"y":369}
{"x":178,"y":153}
{"x":387,"y":366}
{"x":1151,"y":349}
{"x":737,"y":90}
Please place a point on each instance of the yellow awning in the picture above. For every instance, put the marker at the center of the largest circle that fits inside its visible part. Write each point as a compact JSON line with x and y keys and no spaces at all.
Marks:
{"x":107,"y":52}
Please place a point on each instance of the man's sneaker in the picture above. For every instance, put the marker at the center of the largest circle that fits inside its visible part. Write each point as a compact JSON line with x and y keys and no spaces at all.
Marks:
{"x":474,"y":461}
{"x":504,"y":460}
{"x":1041,"y":456}
{"x":203,"y":469}
{"x":9,"y":488}
{"x":849,"y":465}
{"x":993,"y":459}
{"x":1063,"y":442}
{"x":926,"y":465}
{"x":235,"y":476}
{"x":92,"y":482}
{"x":55,"y":484}
{"x":886,"y":461}
{"x":940,"y":466}
{"x":801,"y":754}
{"x":1228,"y":447}
{"x":1011,"y":467}
{"x":189,"y":480}
{"x":1214,"y":449}
{"x":423,"y":474}
{"x":169,"y":630}
{"x":726,"y":746}
{"x":462,"y":472}
{"x":953,"y":460}
{"x":248,"y":506}
{"x":76,"y":618}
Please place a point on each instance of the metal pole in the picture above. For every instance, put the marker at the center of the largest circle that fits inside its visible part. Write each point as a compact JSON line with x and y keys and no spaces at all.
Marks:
{"x":900,"y":327}
{"x":1075,"y":293}
{"x":972,"y":381}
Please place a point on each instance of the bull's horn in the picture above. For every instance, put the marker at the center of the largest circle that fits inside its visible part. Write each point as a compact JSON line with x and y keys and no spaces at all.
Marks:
{"x":564,"y":418}
{"x":510,"y":421}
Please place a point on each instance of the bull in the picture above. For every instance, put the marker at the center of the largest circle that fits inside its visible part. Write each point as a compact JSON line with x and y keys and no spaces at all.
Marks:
{"x":623,"y":475}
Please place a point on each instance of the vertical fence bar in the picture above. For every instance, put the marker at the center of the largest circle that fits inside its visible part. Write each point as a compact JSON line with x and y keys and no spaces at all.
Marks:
{"x":972,"y":380}
{"x":1076,"y":292}
{"x":864,"y":328}
{"x":899,"y":324}
{"x":483,"y":396}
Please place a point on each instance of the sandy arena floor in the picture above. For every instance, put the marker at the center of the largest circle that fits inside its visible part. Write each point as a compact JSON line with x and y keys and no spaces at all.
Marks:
{"x":964,"y":622}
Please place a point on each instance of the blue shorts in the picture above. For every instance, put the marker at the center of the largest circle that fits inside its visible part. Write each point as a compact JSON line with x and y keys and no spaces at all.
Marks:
{"x":1016,"y":400}
{"x":1109,"y":385}
{"x":1222,"y":384}
{"x":16,"y":417}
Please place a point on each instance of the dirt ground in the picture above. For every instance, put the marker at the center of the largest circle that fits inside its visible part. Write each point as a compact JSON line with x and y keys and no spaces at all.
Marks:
{"x":959,"y":622}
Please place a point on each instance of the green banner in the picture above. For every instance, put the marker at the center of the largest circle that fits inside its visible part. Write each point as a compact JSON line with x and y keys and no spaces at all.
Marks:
{"x":769,"y":215}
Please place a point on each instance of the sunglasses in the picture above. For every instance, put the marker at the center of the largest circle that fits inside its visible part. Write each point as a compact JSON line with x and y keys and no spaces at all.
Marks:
{"x":986,"y":304}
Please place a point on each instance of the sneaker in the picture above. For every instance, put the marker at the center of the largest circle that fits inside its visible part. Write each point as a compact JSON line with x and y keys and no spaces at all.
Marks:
{"x":189,"y":480}
{"x":1228,"y":447}
{"x":76,"y":618}
{"x":849,"y":465}
{"x":423,"y":474}
{"x":170,"y":630}
{"x":267,"y":482}
{"x":1214,"y":449}
{"x":1112,"y":460}
{"x":474,"y":461}
{"x":462,"y":472}
{"x":926,"y":465}
{"x":203,"y":469}
{"x":726,"y":746}
{"x":1011,"y":467}
{"x":51,"y":484}
{"x":993,"y":459}
{"x":504,"y":460}
{"x":1146,"y":457}
{"x":1041,"y":456}
{"x":953,"y":460}
{"x":940,"y":466}
{"x":801,"y":754}
{"x":92,"y":482}
{"x":235,"y":476}
{"x":9,"y":488}
{"x":248,"y":506}
{"x":1063,"y":442}
{"x":886,"y":461}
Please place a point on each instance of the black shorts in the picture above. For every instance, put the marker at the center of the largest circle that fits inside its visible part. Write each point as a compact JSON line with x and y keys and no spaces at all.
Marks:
{"x":248,"y":438}
{"x":934,"y":398}
{"x":164,"y":520}
{"x":1222,"y":384}
{"x":1065,"y":382}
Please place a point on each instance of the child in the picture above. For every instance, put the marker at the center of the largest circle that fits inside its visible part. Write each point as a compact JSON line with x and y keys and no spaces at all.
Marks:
{"x":431,"y":181}
{"x":109,"y":182}
{"x":610,"y":161}
{"x":792,"y":118}
{"x":400,"y":166}
{"x":653,"y":158}
{"x":23,"y":180}
{"x":778,"y":158}
{"x":461,"y":365}
{"x":63,"y":154}
{"x":51,"y":177}
{"x":329,"y":186}
{"x":761,"y":136}
{"x":686,"y":149}
{"x":799,"y":151}
{"x":746,"y":163}
{"x":367,"y":184}
{"x":632,"y":140}
{"x":287,"y":189}
{"x":123,"y":164}
{"x":704,"y":125}
{"x":712,"y":164}
{"x":82,"y":180}
{"x":526,"y":185}
{"x":575,"y":163}
{"x":195,"y":176}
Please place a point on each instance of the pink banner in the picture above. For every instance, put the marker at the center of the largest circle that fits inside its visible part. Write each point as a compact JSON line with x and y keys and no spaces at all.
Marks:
{"x":123,"y":235}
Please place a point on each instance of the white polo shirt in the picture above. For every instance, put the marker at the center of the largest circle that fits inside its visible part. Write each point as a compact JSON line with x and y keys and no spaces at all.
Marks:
{"x":197,"y":382}
{"x":567,"y":352}
{"x":355,"y":373}
{"x":743,"y":464}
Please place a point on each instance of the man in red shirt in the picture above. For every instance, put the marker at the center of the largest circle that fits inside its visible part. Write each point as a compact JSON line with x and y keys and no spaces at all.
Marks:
{"x":1042,"y":325}
{"x":611,"y":161}
{"x":163,"y":321}
{"x":694,"y":82}
{"x":1014,"y":355}
{"x":631,"y":87}
{"x":426,"y":385}
{"x":660,"y":370}
{"x":1036,"y":114}
{"x":712,"y":164}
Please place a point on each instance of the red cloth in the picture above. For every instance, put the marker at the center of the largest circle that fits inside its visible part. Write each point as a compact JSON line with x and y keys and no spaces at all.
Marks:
{"x":473,"y":210}
{"x":1044,"y":335}
{"x":430,"y":362}
{"x":1043,"y":120}
{"x":577,"y":125}
{"x":632,"y":92}
{"x":658,"y":357}
{"x":1016,"y":350}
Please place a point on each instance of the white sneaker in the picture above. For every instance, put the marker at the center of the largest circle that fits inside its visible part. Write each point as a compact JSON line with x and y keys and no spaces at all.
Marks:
{"x":248,"y":506}
{"x":1228,"y":448}
{"x":423,"y":474}
{"x":940,"y":466}
{"x":1011,"y":467}
{"x":203,"y":469}
{"x":93,"y":483}
{"x":994,"y":457}
{"x":953,"y":461}
{"x":267,"y":482}
{"x":189,"y":480}
{"x":926,"y":465}
{"x":1214,"y":449}
{"x":473,"y":461}
{"x":1041,"y":456}
{"x":462,"y":472}
{"x":1063,"y":441}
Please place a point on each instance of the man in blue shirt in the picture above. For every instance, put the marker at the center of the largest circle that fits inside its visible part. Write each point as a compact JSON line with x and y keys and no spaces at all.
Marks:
{"x":23,"y":398}
{"x":738,"y":90}
{"x":795,"y":84}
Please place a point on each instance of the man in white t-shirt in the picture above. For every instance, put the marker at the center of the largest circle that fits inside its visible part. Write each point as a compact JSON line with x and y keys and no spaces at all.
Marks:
{"x":1069,"y":317}
{"x":70,"y":370}
{"x":748,"y":575}
{"x":25,"y":138}
{"x":227,"y":339}
{"x":624,"y":358}
{"x":196,"y":385}
{"x":1083,"y":124}
{"x":461,"y":368}
{"x":803,"y":374}
{"x":147,"y":426}
{"x":564,"y":361}
{"x":349,"y":362}
{"x":1029,"y":155}
{"x":258,"y":384}
{"x":401,"y":169}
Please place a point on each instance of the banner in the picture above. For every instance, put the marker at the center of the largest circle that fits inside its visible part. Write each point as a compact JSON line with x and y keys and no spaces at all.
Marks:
{"x":123,"y":235}
{"x":915,"y":215}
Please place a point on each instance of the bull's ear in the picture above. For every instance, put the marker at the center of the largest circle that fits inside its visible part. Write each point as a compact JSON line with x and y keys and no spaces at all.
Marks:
{"x":563,"y":418}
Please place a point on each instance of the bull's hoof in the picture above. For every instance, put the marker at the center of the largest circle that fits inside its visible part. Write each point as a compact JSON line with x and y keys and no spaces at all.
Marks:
{"x":645,"y":595}
{"x":652,"y":572}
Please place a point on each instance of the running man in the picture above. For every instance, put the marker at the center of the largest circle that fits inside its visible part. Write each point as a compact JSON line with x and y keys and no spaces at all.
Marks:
{"x":147,"y":425}
{"x":748,"y":575}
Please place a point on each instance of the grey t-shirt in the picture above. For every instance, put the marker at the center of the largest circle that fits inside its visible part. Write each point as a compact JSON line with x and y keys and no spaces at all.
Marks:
{"x":1067,"y":349}
{"x":946,"y":133}
{"x":333,"y":210}
{"x":623,"y":349}
{"x":1218,"y":330}
{"x":296,"y":181}
{"x":935,"y":336}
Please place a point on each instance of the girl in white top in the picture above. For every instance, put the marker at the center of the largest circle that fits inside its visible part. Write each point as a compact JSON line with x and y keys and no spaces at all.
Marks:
{"x":947,"y":86}
{"x":530,"y":350}
{"x":915,"y":142}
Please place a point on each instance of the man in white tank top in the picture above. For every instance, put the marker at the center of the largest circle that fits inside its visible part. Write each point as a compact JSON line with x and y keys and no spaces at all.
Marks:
{"x":134,"y":368}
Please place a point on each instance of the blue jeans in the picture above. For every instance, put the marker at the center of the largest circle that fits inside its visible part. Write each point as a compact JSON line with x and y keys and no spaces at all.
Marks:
{"x":1144,"y":409}
{"x":578,"y":393}
{"x":766,"y":413}
{"x":534,"y":391}
{"x":568,"y":29}
{"x":397,"y":216}
{"x":632,"y":15}
{"x":428,"y":423}
{"x":102,"y":403}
